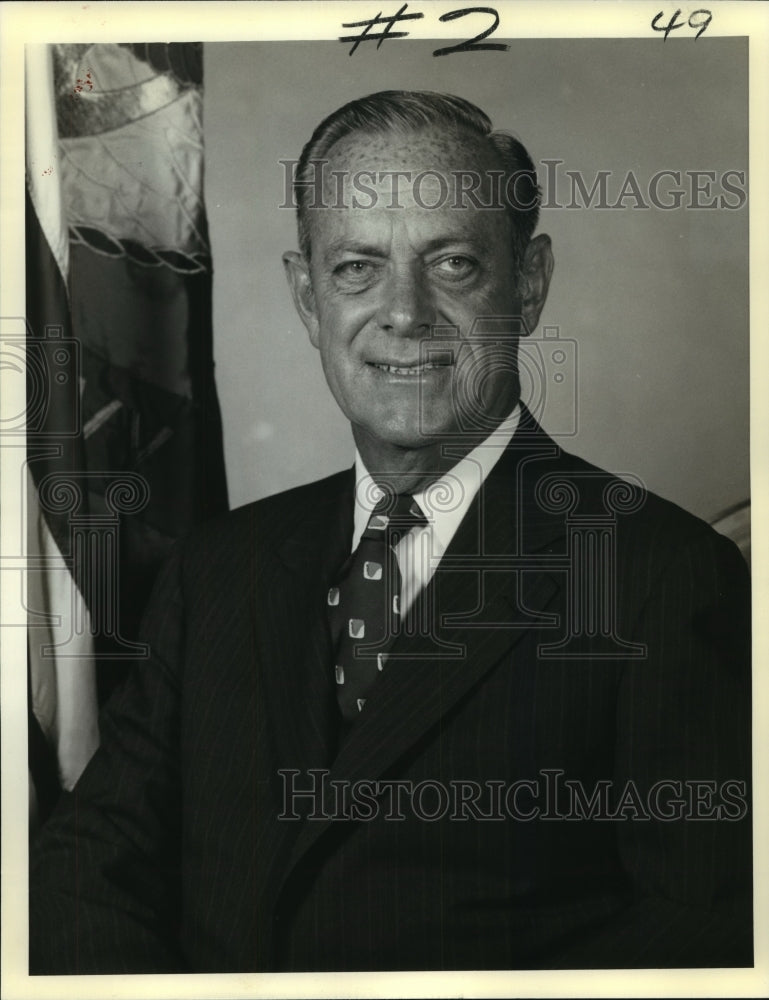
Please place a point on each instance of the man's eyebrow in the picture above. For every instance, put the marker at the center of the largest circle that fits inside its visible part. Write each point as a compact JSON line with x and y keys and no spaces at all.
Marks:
{"x":371,"y":250}
{"x":353,"y":246}
{"x":441,"y":242}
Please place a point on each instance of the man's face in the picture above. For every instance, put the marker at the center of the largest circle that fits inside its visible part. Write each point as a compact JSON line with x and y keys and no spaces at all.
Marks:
{"x":381,"y":276}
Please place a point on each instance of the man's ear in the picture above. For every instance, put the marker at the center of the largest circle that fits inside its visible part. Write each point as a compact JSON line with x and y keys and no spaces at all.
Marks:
{"x":299,"y":281}
{"x":535,"y":279}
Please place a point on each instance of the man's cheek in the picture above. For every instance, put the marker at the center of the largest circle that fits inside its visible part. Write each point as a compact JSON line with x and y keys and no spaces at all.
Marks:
{"x":344,"y":315}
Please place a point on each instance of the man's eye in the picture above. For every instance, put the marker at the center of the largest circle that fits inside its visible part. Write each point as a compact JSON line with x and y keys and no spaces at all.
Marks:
{"x":456,"y":266}
{"x":353,"y":268}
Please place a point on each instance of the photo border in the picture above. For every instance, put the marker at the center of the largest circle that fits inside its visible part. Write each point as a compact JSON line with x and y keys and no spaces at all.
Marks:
{"x":302,"y":19}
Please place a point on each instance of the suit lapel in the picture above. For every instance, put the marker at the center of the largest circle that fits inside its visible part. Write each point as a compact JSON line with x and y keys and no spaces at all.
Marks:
{"x":297,"y":675}
{"x":477,"y":607}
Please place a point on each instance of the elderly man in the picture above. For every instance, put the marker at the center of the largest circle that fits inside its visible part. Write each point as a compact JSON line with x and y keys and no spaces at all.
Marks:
{"x":473,"y":704}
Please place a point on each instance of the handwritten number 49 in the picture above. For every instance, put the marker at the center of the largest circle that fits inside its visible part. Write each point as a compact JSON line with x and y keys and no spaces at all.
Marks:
{"x":697,"y":19}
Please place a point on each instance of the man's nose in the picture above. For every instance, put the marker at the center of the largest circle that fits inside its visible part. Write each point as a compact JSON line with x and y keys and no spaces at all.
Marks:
{"x":407,"y":308}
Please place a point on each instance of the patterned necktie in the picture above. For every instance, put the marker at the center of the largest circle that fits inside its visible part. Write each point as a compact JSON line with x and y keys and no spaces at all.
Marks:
{"x":364,"y":606}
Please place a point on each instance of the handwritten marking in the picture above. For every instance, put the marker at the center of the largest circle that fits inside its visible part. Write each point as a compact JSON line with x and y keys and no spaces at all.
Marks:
{"x":701,"y":23}
{"x":367,"y":35}
{"x":473,"y":44}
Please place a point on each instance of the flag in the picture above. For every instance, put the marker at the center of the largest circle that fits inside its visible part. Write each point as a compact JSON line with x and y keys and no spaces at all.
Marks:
{"x":146,"y":462}
{"x":62,"y":681}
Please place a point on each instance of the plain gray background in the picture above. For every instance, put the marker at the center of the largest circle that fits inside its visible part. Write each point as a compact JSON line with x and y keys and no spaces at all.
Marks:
{"x":655,"y":302}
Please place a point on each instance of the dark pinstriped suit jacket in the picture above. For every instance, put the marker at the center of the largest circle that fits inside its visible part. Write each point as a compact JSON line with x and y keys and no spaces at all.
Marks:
{"x":171,"y":854}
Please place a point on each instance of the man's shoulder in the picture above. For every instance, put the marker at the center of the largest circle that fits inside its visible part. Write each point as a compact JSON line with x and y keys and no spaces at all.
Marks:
{"x":263,"y":524}
{"x":625,"y":500}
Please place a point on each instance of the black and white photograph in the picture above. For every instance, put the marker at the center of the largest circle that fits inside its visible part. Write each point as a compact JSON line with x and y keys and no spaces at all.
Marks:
{"x":382,"y":459}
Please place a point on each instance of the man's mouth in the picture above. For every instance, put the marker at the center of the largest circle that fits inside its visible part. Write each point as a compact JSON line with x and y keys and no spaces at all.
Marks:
{"x":417,"y":369}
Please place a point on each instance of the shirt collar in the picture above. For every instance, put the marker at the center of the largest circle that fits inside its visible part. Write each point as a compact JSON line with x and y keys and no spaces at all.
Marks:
{"x":446,"y":501}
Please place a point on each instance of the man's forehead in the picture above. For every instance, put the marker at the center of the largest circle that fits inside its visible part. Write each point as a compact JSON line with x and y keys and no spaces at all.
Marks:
{"x":407,"y":168}
{"x":378,"y":231}
{"x":430,"y":148}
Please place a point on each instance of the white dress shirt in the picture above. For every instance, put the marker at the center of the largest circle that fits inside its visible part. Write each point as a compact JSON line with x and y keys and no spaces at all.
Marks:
{"x":444,"y":503}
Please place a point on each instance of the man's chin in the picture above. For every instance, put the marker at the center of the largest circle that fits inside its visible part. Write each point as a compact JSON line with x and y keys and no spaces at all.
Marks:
{"x":409,"y":438}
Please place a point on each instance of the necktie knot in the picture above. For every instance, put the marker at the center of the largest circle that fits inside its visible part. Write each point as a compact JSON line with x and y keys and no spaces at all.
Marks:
{"x":393,"y":517}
